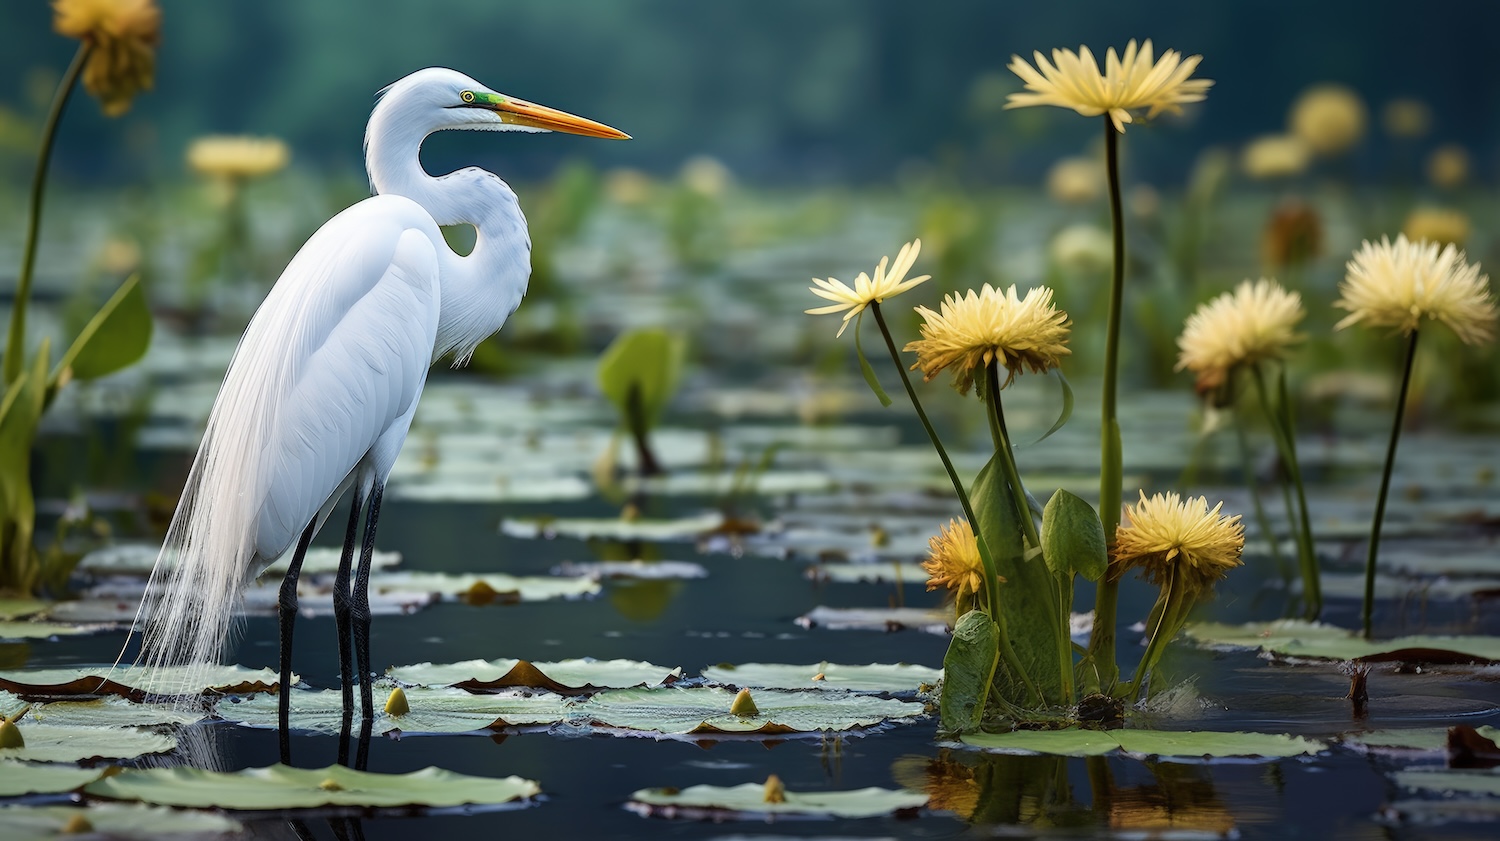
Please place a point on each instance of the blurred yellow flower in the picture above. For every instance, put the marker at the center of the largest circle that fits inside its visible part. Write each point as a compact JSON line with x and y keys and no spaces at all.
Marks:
{"x":1448,"y":166}
{"x":953,"y":560}
{"x":122,"y":36}
{"x":1406,"y":117}
{"x":1275,"y":156}
{"x":1076,"y":181}
{"x":706,"y":176}
{"x":1329,"y":118}
{"x":1083,"y":248}
{"x":976,"y":329}
{"x":866,"y":291}
{"x":237,"y":157}
{"x":1256,"y":321}
{"x":1399,"y":284}
{"x":1166,"y":534}
{"x":627,"y":186}
{"x":1128,"y":83}
{"x":1437,"y":224}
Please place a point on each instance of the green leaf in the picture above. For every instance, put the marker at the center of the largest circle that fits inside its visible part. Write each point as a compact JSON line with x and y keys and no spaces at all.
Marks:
{"x":1067,"y":406}
{"x":431,"y":711}
{"x":1298,"y":639}
{"x":876,"y":677}
{"x":687,"y":528}
{"x":1073,"y":537}
{"x":748,"y":801}
{"x":705,"y":710}
{"x":566,"y":677}
{"x":111,"y":711}
{"x":75,"y":743}
{"x":1181,"y":744}
{"x":18,"y":778}
{"x":20,"y":413}
{"x":116,"y":337}
{"x":116,"y":821}
{"x":864,"y":365}
{"x":128,"y":680}
{"x":279,"y":787}
{"x":968,"y":671}
{"x":649,"y":360}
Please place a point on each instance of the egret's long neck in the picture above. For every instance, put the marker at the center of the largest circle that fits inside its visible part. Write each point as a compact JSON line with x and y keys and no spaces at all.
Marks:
{"x":478,"y":291}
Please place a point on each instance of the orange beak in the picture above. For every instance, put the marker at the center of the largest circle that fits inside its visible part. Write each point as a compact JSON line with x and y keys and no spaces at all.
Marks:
{"x":522,"y":113}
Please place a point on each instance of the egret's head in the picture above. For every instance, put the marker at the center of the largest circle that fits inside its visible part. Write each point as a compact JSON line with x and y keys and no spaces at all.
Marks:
{"x":439,"y":99}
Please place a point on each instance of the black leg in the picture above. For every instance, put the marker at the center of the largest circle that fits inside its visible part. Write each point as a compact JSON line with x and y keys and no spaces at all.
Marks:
{"x":362,"y":756}
{"x":341,"y":620}
{"x":360,"y":611}
{"x":286,"y":606}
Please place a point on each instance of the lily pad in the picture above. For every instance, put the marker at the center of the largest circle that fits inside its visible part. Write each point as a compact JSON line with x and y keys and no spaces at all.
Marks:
{"x":45,"y":630}
{"x":688,"y":528}
{"x":768,"y":483}
{"x":20,"y":778}
{"x":748,"y":802}
{"x":927,"y":620}
{"x":432,"y":711}
{"x":568,"y":677}
{"x":1469,"y":781}
{"x":492,"y":488}
{"x":76,"y":743}
{"x":138,"y":559}
{"x":12,"y":609}
{"x":705,"y":710}
{"x":895,"y":572}
{"x":135,"y":681}
{"x":484,"y":589}
{"x":113,"y":710}
{"x":876,"y":677}
{"x":642,"y":570}
{"x":1181,"y":744}
{"x":279,"y":787}
{"x":113,"y":820}
{"x":1297,"y":639}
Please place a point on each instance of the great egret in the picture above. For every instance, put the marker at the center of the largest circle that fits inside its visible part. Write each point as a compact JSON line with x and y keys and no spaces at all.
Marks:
{"x":322,"y":388}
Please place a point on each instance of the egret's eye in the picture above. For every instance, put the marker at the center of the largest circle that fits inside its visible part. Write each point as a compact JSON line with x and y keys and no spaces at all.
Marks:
{"x":467,"y":96}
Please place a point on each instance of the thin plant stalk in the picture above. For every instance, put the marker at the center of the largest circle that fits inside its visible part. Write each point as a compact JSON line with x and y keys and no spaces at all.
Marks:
{"x":1367,"y":612}
{"x":1280,"y":418}
{"x":15,"y":344}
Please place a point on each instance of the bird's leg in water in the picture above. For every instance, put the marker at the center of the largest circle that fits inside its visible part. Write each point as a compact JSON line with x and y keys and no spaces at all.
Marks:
{"x":341,"y":621}
{"x":362,"y":755}
{"x":286,"y":606}
{"x":360,"y":611}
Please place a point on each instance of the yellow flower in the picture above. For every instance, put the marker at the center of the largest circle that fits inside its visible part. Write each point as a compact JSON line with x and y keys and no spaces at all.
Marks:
{"x":1167,"y":534}
{"x":1076,"y":181}
{"x":1410,"y":118}
{"x":1398,"y":284}
{"x":974,"y":330}
{"x":1436,"y":224}
{"x":1256,"y":321}
{"x":1275,"y":156}
{"x":122,"y":36}
{"x":237,"y":158}
{"x":954,"y":560}
{"x":1082,"y":248}
{"x":887,"y":284}
{"x":1135,"y":81}
{"x":1448,"y":166}
{"x":1329,"y":118}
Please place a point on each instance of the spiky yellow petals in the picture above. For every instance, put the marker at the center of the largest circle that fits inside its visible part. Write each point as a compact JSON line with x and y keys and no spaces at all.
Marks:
{"x":1255,"y":321}
{"x":977,"y":328}
{"x":237,"y":158}
{"x":887,"y":283}
{"x":1128,"y":83}
{"x":953,"y":560}
{"x":1441,"y":225}
{"x":1167,"y":536}
{"x":1400,"y":284}
{"x":122,"y":36}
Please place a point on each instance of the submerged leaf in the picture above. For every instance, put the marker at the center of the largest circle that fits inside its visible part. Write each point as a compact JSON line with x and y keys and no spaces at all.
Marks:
{"x":748,"y":801}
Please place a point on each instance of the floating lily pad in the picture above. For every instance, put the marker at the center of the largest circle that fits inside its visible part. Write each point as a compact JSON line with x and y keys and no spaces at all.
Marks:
{"x":432,"y":711}
{"x":1313,"y":640}
{"x":491,"y":488}
{"x":484,"y":589}
{"x":768,"y":483}
{"x":748,"y":801}
{"x":76,"y":743}
{"x":20,"y":778}
{"x":565,"y":677}
{"x":138,"y":559}
{"x":113,"y":710}
{"x":705,"y":710}
{"x":45,"y":630}
{"x":136,"y":680}
{"x":875,"y":677}
{"x":688,"y":528}
{"x":117,"y":600}
{"x":645,"y":570}
{"x":278,"y":787}
{"x":878,"y":573}
{"x":1423,"y":739}
{"x":1484,"y":781}
{"x":1163,"y":743}
{"x":12,"y":609}
{"x":927,"y":620}
{"x":113,"y":820}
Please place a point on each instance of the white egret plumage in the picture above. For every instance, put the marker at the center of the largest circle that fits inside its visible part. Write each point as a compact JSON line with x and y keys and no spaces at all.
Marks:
{"x":322,"y":388}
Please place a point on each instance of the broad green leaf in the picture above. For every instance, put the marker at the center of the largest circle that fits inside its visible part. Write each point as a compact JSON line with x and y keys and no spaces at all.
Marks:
{"x":896,"y":678}
{"x":278,"y":787}
{"x":1312,"y":640}
{"x":565,"y":677}
{"x":864,"y":365}
{"x":114,"y":338}
{"x":127,"y":821}
{"x":128,"y":680}
{"x":687,"y":528}
{"x":1073,"y":537}
{"x":1185,"y":744}
{"x":749,"y":801}
{"x":75,"y":743}
{"x":432,"y":711}
{"x":705,"y":710}
{"x":18,"y":778}
{"x":651,"y":361}
{"x":969,"y":671}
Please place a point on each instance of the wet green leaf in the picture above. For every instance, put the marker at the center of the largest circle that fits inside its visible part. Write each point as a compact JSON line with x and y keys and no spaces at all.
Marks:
{"x":278,"y":787}
{"x":1183,"y":744}
{"x":649,"y":360}
{"x":566,"y":677}
{"x":748,"y":801}
{"x":969,"y":671}
{"x":1073,"y":537}
{"x":705,"y":710}
{"x":18,"y":778}
{"x":892,"y":678}
{"x":114,"y":338}
{"x":1313,"y":640}
{"x":114,"y":821}
{"x":75,"y":743}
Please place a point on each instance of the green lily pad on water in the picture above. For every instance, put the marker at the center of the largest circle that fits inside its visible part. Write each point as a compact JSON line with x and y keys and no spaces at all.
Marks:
{"x":484,"y":589}
{"x":1423,"y":739}
{"x":113,"y":820}
{"x":278,"y":787}
{"x":568,"y":677}
{"x":875,"y":677}
{"x":927,"y":620}
{"x":138,"y":559}
{"x":492,"y":488}
{"x":136,"y":680}
{"x":12,"y":609}
{"x":21,"y":778}
{"x":748,"y":802}
{"x":878,"y":573}
{"x":704,"y":710}
{"x":431,"y":711}
{"x":1294,"y":638}
{"x":768,"y":483}
{"x":76,"y":743}
{"x":1484,"y":781}
{"x":44,"y":630}
{"x":112,"y":710}
{"x":1185,"y":744}
{"x":688,"y":528}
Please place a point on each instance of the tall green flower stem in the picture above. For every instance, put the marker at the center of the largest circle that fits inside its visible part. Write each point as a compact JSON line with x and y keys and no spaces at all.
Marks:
{"x":991,"y":578}
{"x":15,"y":343}
{"x":1166,"y":619}
{"x":1279,"y":414}
{"x":1368,"y":610}
{"x":1028,"y":524}
{"x":1111,"y":450}
{"x":1247,"y":466}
